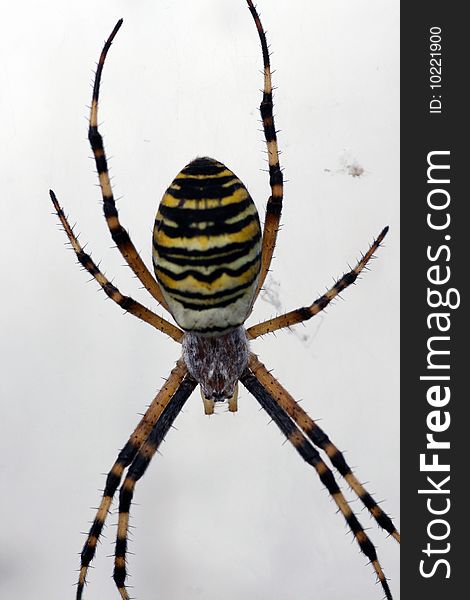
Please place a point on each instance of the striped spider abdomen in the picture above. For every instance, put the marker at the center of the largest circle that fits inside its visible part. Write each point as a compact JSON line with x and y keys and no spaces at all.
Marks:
{"x":207,"y":248}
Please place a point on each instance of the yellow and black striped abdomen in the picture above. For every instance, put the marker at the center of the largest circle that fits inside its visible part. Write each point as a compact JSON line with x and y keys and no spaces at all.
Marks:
{"x":207,"y":248}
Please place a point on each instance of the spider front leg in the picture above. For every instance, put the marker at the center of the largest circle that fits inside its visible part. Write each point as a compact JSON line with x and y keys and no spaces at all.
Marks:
{"x":307,"y":312}
{"x":138,"y":467}
{"x":312,"y":457}
{"x":172,"y":386}
{"x":321,"y":440}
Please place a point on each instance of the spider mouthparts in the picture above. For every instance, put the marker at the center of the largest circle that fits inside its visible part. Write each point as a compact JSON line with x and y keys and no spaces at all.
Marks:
{"x":209,"y":403}
{"x":233,"y":401}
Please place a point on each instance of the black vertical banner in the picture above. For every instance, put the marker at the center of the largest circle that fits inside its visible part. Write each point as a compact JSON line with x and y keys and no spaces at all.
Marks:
{"x":435,"y":161}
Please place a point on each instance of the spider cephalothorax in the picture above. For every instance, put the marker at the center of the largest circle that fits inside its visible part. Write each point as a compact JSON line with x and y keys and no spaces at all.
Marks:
{"x":211,"y":259}
{"x":217,"y":363}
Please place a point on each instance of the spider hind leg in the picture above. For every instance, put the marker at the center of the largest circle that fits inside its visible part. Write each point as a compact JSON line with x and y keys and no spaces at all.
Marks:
{"x":275,"y":200}
{"x":119,"y":234}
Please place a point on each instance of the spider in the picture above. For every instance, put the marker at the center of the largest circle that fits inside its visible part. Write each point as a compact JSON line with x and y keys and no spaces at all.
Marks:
{"x":211,"y":257}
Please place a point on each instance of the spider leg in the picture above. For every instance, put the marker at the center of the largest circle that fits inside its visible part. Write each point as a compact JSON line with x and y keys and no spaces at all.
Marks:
{"x":274,"y":205}
{"x":118,"y":233}
{"x":307,"y":312}
{"x":312,"y":457}
{"x":124,"y":459}
{"x":128,"y":304}
{"x":138,"y":467}
{"x":321,"y":440}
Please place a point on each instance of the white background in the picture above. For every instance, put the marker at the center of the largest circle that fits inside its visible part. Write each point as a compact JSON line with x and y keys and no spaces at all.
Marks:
{"x":227,"y":510}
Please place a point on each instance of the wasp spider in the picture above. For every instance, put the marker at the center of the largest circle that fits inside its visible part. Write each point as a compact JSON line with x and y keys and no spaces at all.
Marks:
{"x":211,"y":257}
